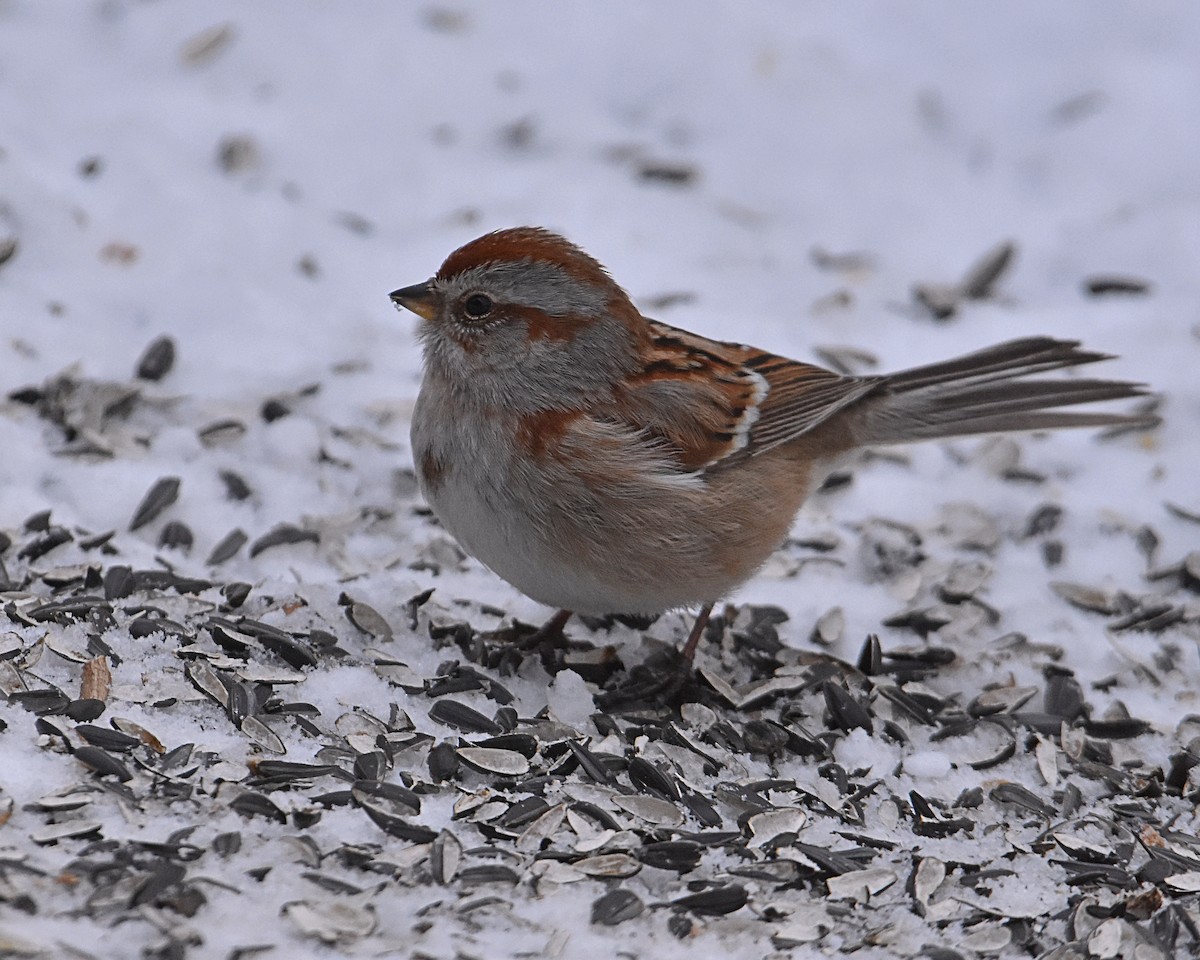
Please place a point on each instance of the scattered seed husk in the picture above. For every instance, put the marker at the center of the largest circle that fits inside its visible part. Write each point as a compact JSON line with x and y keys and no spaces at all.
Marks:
{"x":390,"y":799}
{"x":332,"y":921}
{"x":1086,"y":598}
{"x":263,"y":735}
{"x":369,"y":620}
{"x":766,"y":827}
{"x":861,"y":885}
{"x":70,"y":830}
{"x":502,"y":762}
{"x":445,"y":857}
{"x":829,"y":627}
{"x":221,"y":432}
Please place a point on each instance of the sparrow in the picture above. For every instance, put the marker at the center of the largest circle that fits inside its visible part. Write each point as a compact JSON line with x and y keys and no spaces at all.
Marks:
{"x":605,"y":463}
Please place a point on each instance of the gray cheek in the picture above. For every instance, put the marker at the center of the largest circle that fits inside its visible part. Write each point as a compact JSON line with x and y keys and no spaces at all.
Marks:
{"x":502,"y":367}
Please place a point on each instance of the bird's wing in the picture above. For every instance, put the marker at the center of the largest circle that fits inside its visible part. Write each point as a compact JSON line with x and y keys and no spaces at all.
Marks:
{"x":712,"y":403}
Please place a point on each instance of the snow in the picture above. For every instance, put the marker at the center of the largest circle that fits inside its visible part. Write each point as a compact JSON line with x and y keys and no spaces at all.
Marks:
{"x":385,"y":135}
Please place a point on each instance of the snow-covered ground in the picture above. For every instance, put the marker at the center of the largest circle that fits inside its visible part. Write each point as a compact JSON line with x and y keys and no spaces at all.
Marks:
{"x":250,"y":180}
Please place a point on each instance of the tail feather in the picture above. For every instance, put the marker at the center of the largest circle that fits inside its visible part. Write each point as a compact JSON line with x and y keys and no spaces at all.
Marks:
{"x":991,"y":391}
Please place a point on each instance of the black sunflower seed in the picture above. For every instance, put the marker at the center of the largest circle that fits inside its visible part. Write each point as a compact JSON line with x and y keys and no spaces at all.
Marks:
{"x":1121,"y":729}
{"x":335,"y":798}
{"x":102,"y":763}
{"x":870,"y":657}
{"x":118,"y":582}
{"x":598,"y":814}
{"x":1021,"y":797}
{"x":221,"y":431}
{"x":67,"y":611}
{"x":652,"y":779}
{"x":281,"y":535}
{"x":443,"y":762}
{"x":845,"y":712}
{"x":462,"y":717}
{"x":107,"y":739}
{"x":372,"y":765}
{"x":487,"y":873}
{"x":176,"y":535}
{"x":242,"y":701}
{"x":522,"y":743}
{"x":157,"y":360}
{"x":274,"y":409}
{"x":40,"y":546}
{"x":701,"y":808}
{"x":289,"y":649}
{"x":398,"y":827}
{"x":163,"y":875}
{"x":980,"y":280}
{"x":1107,"y":285}
{"x":235,"y":487}
{"x":716,"y":901}
{"x":617,"y":906}
{"x":254,"y":804}
{"x":590,"y":764}
{"x":523,"y":812}
{"x":160,"y":496}
{"x":682,"y":856}
{"x":229,"y":545}
{"x":85,"y":709}
{"x":1064,"y":697}
{"x":764,"y":737}
{"x":37,"y":522}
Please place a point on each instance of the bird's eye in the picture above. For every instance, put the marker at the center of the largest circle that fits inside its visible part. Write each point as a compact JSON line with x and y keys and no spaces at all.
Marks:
{"x":477,"y":306}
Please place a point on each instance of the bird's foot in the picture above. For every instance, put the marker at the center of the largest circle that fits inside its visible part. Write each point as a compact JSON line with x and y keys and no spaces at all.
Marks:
{"x":665,"y":680}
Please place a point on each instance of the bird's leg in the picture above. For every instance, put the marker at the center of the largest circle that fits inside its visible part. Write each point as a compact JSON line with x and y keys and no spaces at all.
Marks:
{"x":548,"y":634}
{"x":688,"y":653}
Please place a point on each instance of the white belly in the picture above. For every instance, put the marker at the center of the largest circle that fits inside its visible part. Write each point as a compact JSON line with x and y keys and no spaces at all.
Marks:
{"x":504,"y":538}
{"x":476,"y":496}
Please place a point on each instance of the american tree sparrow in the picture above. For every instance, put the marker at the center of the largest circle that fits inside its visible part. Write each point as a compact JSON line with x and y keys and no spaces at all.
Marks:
{"x":602,"y":462}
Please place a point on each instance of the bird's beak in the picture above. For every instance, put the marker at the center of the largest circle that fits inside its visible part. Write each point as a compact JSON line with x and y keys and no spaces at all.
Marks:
{"x":420,"y":298}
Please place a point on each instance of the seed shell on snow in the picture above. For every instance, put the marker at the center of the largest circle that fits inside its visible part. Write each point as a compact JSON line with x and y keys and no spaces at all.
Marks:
{"x":263,"y":735}
{"x":650,"y":809}
{"x":369,"y":620}
{"x":445,"y":857}
{"x":70,"y":830}
{"x":489,"y":760}
{"x":332,"y":921}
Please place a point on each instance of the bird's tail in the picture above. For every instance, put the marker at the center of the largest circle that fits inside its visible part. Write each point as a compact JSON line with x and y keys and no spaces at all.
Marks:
{"x":991,"y":391}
